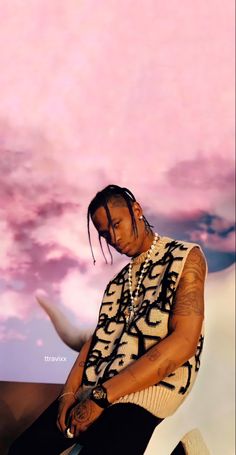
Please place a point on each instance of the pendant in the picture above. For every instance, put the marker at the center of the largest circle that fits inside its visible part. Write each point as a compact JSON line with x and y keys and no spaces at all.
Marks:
{"x":129,"y":313}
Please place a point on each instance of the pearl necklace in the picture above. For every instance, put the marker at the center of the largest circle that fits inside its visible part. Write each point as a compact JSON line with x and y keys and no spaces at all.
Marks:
{"x":133,"y":307}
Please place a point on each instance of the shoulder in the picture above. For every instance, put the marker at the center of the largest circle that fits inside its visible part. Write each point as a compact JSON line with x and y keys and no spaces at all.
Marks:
{"x":195,"y":260}
{"x":189,"y":298}
{"x":191,"y":252}
{"x":177,"y":246}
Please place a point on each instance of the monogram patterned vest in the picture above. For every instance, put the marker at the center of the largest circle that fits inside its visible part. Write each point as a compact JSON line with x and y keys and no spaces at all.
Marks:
{"x":114,"y":346}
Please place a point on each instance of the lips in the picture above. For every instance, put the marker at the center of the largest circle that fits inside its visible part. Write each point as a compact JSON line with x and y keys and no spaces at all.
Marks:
{"x":123,"y":249}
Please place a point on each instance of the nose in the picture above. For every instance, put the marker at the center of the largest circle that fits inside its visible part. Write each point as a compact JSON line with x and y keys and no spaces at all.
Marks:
{"x":115,"y":237}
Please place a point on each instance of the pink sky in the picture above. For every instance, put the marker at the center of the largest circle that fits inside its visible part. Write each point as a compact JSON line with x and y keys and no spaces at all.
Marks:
{"x":134,"y":93}
{"x":140,"y":94}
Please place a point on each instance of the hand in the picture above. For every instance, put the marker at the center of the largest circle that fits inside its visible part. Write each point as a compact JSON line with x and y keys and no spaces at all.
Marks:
{"x":83,"y":415}
{"x":65,"y":405}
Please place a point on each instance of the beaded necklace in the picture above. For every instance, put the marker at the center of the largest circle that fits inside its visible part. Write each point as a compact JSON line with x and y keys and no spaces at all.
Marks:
{"x":133,"y":307}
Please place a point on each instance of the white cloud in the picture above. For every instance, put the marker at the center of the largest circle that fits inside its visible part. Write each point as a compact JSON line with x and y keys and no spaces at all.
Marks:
{"x":14,"y":304}
{"x":81,"y":296}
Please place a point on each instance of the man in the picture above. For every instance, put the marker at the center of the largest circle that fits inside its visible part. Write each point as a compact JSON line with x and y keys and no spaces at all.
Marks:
{"x":144,"y":355}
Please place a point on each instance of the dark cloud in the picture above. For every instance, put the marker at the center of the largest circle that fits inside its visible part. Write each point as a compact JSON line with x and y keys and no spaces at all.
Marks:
{"x":214,"y":233}
{"x":55,"y":208}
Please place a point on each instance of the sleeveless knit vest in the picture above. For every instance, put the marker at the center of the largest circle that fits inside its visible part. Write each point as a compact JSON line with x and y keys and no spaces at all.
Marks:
{"x":114,"y":347}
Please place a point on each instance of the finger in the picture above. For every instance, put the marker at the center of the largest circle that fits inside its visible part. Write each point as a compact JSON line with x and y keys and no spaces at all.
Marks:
{"x":79,"y":428}
{"x":68,"y":417}
{"x":59,"y":422}
{"x":62,"y":422}
{"x":64,"y":417}
{"x":61,"y":426}
{"x":69,"y":431}
{"x":75,"y":428}
{"x":58,"y":425}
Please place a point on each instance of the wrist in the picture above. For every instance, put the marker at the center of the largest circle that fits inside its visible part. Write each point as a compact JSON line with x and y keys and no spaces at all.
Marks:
{"x":98,"y":395}
{"x":113,"y":392}
{"x":67,"y":395}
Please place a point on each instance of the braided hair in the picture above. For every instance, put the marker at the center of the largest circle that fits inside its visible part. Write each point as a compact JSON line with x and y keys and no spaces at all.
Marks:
{"x":112,"y":192}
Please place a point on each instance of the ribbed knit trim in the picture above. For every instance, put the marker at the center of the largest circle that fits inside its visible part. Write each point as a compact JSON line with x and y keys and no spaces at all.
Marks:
{"x":160,"y":400}
{"x":194,"y":443}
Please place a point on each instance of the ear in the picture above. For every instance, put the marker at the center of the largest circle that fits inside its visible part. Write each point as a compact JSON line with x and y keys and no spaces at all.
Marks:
{"x":137,"y":209}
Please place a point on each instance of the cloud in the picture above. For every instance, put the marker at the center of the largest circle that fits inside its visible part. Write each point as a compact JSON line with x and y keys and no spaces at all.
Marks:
{"x":11,"y":252}
{"x":82,"y":294}
{"x":70,"y":124}
{"x":215,"y":233}
{"x":203,"y":173}
{"x":14,"y":304}
{"x":65,"y":232}
{"x":6,"y":246}
{"x":11,"y":334}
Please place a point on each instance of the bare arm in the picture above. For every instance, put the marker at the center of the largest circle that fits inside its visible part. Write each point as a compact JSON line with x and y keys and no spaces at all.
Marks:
{"x":71,"y":386}
{"x":74,"y":378}
{"x":180,"y":345}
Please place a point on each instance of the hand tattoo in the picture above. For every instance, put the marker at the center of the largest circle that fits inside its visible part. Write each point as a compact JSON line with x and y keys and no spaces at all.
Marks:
{"x":83,"y":411}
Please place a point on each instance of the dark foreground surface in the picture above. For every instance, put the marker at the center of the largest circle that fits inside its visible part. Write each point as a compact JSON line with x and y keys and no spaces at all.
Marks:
{"x":20,"y":404}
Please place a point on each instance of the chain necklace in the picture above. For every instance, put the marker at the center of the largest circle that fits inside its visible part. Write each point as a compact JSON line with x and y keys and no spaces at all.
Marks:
{"x":133,"y":307}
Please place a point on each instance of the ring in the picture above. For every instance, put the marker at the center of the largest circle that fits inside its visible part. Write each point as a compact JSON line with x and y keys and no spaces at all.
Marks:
{"x":69,"y":434}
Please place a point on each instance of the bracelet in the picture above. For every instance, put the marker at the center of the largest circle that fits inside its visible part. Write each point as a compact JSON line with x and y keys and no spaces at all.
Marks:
{"x":66,"y":393}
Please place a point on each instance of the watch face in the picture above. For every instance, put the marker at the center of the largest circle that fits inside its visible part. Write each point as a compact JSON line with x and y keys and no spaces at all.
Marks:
{"x":99,"y":393}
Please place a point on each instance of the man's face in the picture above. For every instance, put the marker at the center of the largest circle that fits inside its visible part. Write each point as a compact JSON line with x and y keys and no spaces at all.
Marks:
{"x":119,"y":233}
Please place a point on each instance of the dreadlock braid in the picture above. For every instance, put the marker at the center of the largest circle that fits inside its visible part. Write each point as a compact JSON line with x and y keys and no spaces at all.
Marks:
{"x":101,"y":200}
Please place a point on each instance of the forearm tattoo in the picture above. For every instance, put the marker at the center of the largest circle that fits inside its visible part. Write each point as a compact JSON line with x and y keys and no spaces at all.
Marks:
{"x":133,"y":378}
{"x":189,"y":295}
{"x":153,"y":354}
{"x":166,"y":368}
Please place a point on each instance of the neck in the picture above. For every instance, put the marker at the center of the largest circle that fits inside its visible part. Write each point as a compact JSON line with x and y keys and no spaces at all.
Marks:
{"x":146,"y":243}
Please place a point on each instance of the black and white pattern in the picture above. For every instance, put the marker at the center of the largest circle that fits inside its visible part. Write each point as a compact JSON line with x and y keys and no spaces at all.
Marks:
{"x":113,"y":346}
